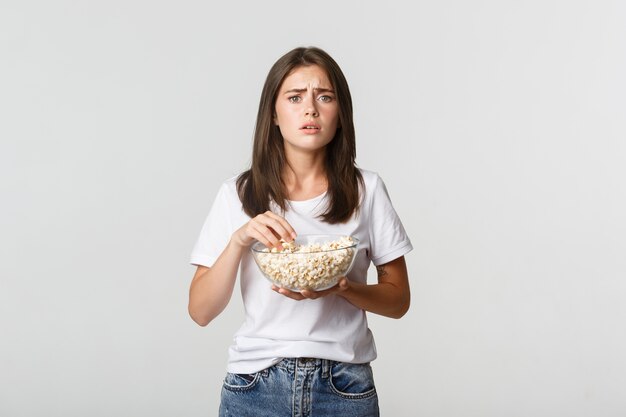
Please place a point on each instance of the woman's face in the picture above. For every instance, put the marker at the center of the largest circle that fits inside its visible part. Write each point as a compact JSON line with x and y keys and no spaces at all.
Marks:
{"x":306,"y":110}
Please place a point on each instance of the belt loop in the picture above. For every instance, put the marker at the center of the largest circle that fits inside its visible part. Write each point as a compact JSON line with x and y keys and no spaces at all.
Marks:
{"x":325,"y":368}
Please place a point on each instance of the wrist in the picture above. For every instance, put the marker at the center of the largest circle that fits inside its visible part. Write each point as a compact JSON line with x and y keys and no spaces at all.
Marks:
{"x":236,"y":245}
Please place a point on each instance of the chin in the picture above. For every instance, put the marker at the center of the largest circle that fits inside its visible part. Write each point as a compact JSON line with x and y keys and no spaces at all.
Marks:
{"x":310,"y":145}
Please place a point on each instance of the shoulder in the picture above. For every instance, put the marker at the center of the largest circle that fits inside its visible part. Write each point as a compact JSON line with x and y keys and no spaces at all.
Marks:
{"x":371,"y":180}
{"x":231,"y":183}
{"x":228,"y":189}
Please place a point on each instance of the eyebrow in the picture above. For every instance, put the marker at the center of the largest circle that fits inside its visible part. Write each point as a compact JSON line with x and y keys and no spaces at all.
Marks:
{"x":301,"y":90}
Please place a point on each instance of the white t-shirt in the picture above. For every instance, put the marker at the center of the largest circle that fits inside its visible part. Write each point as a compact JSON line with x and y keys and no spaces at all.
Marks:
{"x":330,"y":327}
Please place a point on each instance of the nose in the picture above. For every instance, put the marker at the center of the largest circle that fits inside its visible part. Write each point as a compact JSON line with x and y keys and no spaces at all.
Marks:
{"x":311,"y":109}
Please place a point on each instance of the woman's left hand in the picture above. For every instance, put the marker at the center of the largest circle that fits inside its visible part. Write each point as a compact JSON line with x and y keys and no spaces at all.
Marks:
{"x":341,"y":286}
{"x":390,"y":297}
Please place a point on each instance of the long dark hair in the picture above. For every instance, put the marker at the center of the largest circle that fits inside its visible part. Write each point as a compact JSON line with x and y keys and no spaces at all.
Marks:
{"x":263,"y":182}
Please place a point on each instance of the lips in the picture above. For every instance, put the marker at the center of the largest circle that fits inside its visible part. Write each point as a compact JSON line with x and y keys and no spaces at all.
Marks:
{"x":310,"y":127}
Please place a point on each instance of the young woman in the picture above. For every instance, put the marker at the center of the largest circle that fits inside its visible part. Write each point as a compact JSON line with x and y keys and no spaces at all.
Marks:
{"x":301,"y":353}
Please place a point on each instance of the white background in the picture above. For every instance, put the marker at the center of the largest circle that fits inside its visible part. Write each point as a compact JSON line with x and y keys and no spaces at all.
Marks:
{"x":498,"y":127}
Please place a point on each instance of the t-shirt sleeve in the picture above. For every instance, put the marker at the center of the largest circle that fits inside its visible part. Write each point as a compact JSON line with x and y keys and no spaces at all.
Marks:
{"x":388,"y":239}
{"x":215,"y":232}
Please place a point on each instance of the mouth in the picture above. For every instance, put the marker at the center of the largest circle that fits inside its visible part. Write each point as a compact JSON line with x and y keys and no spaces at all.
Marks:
{"x":310,"y":127}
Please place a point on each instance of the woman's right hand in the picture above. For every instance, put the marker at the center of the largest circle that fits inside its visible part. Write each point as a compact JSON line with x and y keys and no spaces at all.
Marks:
{"x":211,"y":288}
{"x":268,"y":228}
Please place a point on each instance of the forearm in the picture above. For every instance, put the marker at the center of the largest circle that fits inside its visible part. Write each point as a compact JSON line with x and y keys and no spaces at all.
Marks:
{"x":383,"y":298}
{"x":211,"y":290}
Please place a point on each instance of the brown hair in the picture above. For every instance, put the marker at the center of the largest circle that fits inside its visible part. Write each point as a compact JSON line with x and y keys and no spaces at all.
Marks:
{"x":263,"y":182}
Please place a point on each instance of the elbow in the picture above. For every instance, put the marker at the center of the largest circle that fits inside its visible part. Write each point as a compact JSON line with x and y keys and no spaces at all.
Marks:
{"x":399,"y":313}
{"x":199,"y":319}
{"x":402,"y":309}
{"x":201,"y":322}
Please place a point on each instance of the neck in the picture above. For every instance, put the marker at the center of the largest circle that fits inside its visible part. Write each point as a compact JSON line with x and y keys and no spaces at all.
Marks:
{"x":305,"y":175}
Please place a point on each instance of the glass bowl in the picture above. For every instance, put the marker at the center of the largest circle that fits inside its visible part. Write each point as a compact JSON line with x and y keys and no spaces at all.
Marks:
{"x":311,"y":262}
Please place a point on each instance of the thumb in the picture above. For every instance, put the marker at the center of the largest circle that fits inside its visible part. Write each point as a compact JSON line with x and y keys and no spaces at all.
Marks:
{"x":343,"y":284}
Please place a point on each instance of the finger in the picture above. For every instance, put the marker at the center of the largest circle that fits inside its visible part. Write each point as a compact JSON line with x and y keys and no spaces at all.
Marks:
{"x":311,"y":295}
{"x":343,"y":284}
{"x":262,"y":225}
{"x":274,"y":233}
{"x":317,"y":294}
{"x":290,"y":294}
{"x":281,"y":226}
{"x":264,"y":235}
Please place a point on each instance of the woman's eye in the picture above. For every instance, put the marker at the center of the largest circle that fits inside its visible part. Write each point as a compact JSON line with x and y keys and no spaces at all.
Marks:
{"x":294,"y":99}
{"x":326,"y":99}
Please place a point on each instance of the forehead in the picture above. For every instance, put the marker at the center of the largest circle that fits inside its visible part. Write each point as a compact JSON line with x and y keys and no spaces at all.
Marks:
{"x":305,"y":76}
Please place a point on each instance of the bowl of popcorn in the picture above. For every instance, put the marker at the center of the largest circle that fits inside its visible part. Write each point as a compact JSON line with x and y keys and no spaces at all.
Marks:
{"x":311,"y":262}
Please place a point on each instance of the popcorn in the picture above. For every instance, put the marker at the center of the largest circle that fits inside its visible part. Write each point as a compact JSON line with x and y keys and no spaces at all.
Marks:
{"x":315,"y":266}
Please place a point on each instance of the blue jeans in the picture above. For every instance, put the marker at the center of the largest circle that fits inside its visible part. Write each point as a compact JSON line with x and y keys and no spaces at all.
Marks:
{"x":302,"y":387}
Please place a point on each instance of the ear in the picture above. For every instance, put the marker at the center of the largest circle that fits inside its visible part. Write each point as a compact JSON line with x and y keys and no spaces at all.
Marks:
{"x":275,"y":120}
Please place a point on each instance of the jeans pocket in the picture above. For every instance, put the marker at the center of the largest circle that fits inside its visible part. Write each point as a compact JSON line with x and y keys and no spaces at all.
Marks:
{"x":351,"y":380}
{"x":241,"y":382}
